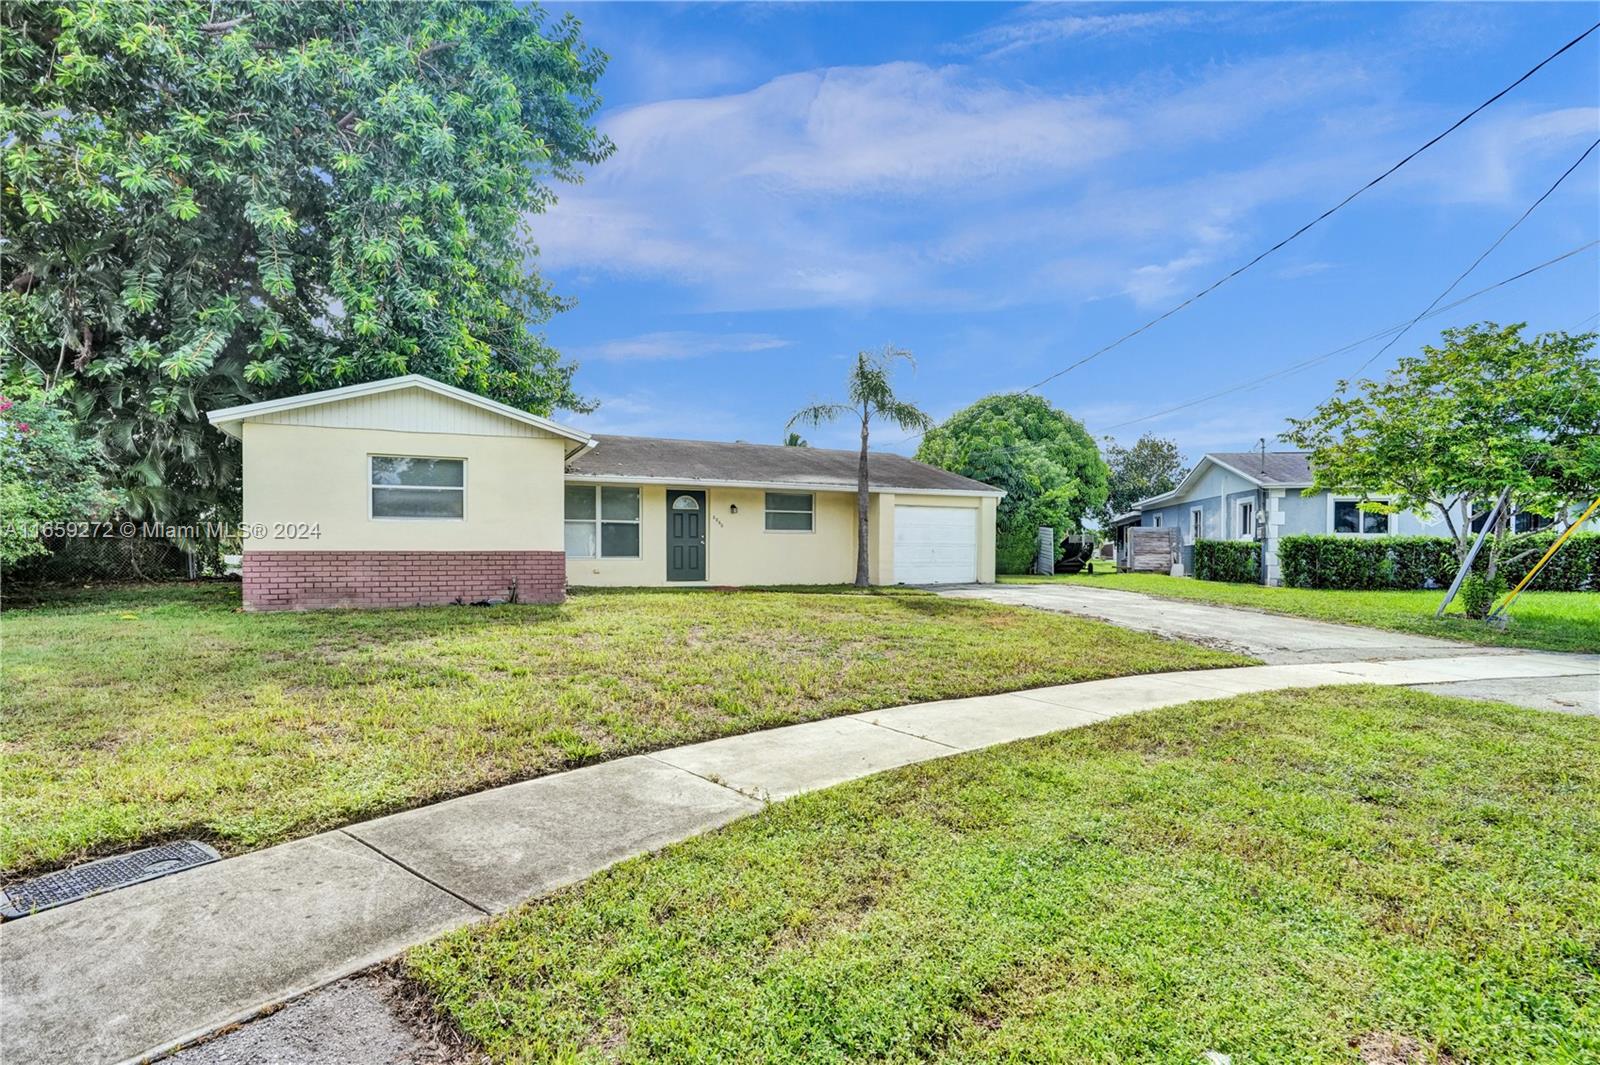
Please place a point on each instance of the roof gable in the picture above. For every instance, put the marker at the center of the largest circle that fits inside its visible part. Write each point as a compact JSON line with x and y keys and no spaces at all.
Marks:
{"x":379,"y":404}
{"x":1279,"y":469}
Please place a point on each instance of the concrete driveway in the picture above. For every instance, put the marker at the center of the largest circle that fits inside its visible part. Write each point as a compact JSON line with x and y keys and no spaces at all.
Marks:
{"x":1278,"y":639}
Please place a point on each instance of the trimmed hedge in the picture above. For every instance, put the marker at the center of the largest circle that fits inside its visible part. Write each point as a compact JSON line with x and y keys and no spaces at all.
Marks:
{"x":1360,"y":562}
{"x":1227,"y":560}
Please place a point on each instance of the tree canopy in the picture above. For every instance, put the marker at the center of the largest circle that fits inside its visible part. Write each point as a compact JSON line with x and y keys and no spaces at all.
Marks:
{"x":210,"y":203}
{"x":1153,"y":465}
{"x":1447,"y":431}
{"x":1046,"y":462}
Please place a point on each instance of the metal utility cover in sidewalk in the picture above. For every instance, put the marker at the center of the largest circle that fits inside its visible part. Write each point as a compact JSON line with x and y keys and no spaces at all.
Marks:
{"x":106,"y":874}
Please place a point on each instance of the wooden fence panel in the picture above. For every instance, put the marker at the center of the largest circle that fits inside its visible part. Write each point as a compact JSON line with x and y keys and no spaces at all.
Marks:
{"x":1152,"y":550}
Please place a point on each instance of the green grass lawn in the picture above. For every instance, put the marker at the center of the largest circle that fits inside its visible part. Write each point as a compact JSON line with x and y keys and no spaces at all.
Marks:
{"x":136,"y":715}
{"x":1294,"y":877}
{"x":1551,"y":621}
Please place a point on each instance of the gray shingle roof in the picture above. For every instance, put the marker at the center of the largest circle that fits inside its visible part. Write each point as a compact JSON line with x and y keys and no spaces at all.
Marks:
{"x":1280,"y":467}
{"x":691,"y":461}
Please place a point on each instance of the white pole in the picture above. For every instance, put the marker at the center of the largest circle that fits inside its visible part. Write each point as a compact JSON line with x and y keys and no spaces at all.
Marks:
{"x":1466,"y":567}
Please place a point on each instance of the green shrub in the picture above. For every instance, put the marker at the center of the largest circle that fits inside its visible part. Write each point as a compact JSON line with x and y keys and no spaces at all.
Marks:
{"x":1367,"y":562}
{"x":48,"y":475}
{"x":1478,"y":594}
{"x":1354,"y":562}
{"x":1015,"y":548}
{"x":1227,"y":560}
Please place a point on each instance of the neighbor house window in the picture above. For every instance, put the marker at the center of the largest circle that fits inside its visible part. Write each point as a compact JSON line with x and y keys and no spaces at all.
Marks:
{"x":1246,"y":514}
{"x":602,"y":522}
{"x":790,"y":511}
{"x":1197,"y":524}
{"x":1155,"y":521}
{"x":1348,"y":517}
{"x":404,"y":486}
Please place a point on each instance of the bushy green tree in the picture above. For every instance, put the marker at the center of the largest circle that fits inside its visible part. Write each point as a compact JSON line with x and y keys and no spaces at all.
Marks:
{"x":210,"y":202}
{"x":1153,"y":465}
{"x":1447,"y":431}
{"x":49,"y":474}
{"x":1046,"y":462}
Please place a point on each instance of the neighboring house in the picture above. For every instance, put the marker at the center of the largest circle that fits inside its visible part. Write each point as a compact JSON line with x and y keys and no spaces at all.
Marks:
{"x":408,"y":491}
{"x":1251,"y":495}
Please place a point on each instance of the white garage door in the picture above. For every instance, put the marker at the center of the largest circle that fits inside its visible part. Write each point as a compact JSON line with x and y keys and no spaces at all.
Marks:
{"x":935,"y":545}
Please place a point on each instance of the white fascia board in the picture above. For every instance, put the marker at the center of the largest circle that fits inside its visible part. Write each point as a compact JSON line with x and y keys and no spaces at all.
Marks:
{"x":227,"y":419}
{"x":777,"y":486}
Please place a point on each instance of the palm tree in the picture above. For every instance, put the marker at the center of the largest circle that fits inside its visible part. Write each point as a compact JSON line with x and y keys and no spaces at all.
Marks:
{"x":870,"y":397}
{"x":794,"y":439}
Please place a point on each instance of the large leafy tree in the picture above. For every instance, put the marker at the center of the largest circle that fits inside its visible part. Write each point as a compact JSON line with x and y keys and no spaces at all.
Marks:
{"x":1153,"y":465}
{"x":1045,"y":460}
{"x":870,"y":398}
{"x":1486,"y":412}
{"x":210,"y":202}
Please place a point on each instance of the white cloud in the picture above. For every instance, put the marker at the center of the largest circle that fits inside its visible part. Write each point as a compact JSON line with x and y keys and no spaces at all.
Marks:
{"x":1041,"y":24}
{"x":1502,"y":159}
{"x":680,"y":344}
{"x":908,"y":185}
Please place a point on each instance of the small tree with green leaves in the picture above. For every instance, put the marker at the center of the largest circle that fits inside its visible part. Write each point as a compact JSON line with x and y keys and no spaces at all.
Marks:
{"x":871,"y":398}
{"x":1153,"y":465}
{"x":1447,"y":431}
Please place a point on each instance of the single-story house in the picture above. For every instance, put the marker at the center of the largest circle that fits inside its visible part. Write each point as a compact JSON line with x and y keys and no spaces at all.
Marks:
{"x":408,"y":491}
{"x":1254,"y":495}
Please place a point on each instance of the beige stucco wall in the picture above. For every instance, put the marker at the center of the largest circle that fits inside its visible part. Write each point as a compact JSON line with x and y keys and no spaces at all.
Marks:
{"x":318,"y":475}
{"x":740,"y":550}
{"x":883,"y":541}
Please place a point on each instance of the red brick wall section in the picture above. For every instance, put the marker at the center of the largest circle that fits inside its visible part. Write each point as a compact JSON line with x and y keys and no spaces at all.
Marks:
{"x":308,"y":580}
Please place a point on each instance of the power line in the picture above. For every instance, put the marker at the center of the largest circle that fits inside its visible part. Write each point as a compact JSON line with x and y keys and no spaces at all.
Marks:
{"x":1457,"y":124}
{"x":1393,"y":329}
{"x":1475,"y":263}
{"x":1313,"y":360}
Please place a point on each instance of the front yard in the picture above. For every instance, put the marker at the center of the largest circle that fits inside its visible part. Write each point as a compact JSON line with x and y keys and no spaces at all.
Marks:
{"x":1352,"y":875}
{"x":129,"y":716}
{"x":1549,"y":621}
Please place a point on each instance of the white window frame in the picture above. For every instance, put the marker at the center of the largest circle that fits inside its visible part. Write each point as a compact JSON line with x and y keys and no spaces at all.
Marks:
{"x":371,"y":485}
{"x":1155,"y":520}
{"x":765,"y":510}
{"x":1244,"y":527}
{"x":1197,"y":528}
{"x":1333,"y":502}
{"x":600,"y":520}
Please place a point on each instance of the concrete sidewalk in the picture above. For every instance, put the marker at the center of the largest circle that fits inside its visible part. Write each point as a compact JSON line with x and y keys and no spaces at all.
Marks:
{"x":139,"y":971}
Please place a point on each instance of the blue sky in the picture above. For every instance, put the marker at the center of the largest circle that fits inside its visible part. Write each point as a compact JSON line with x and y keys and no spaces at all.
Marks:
{"x":1004,"y":189}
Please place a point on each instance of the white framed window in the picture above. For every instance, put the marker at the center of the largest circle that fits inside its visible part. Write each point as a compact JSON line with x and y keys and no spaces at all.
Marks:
{"x":1155,"y":521}
{"x":1197,"y":524}
{"x":602,"y":521}
{"x":1348,"y":519}
{"x":416,"y":488}
{"x":791,"y":512}
{"x":1244,"y":519}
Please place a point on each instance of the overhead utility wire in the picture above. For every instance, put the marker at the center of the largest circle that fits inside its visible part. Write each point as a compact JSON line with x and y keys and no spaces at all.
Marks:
{"x":1313,"y":360}
{"x":1295,"y":367}
{"x":1475,"y":263}
{"x":1457,"y":124}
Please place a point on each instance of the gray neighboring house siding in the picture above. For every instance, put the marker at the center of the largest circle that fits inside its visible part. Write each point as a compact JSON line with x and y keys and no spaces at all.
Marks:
{"x":1274,"y":486}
